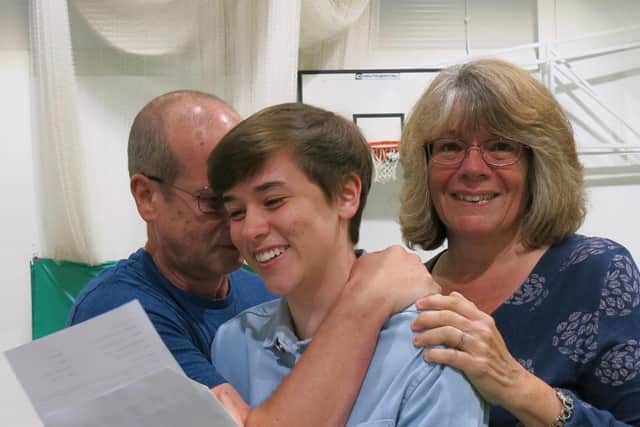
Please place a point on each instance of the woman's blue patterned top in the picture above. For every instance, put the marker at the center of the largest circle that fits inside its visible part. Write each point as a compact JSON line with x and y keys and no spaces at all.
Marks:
{"x":575,"y":323}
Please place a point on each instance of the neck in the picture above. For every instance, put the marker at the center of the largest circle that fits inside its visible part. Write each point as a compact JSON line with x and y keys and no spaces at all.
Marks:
{"x":487,"y":272}
{"x":310,"y":303}
{"x":215,"y":287}
{"x":467,"y":258}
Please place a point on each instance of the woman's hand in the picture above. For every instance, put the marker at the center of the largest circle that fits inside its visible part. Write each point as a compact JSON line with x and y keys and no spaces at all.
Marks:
{"x":472,"y":345}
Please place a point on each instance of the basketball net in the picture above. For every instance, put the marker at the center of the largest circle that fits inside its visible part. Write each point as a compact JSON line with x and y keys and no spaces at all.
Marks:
{"x":385,"y":160}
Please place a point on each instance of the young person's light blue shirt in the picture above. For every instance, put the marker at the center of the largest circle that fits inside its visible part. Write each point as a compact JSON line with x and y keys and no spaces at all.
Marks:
{"x":256,"y":350}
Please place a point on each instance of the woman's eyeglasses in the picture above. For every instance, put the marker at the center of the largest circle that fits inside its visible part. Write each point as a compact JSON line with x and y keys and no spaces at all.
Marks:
{"x":495,"y":151}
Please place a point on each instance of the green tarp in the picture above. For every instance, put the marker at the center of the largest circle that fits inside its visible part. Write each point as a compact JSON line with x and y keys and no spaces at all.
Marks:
{"x":54,"y":286}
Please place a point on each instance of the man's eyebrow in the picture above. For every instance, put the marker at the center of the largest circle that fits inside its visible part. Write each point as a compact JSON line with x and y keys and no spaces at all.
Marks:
{"x":226,"y":198}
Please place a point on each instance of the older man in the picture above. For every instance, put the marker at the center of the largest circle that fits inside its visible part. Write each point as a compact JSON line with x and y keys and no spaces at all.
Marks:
{"x":188,"y":280}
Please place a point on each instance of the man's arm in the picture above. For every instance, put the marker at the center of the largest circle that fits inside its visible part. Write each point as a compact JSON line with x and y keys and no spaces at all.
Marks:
{"x":338,"y":357}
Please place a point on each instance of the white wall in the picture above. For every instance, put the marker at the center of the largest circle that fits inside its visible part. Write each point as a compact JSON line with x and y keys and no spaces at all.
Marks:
{"x":613,"y":203}
{"x":17,"y":216}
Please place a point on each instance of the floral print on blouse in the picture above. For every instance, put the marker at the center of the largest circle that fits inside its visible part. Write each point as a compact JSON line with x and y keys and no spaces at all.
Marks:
{"x":575,"y":323}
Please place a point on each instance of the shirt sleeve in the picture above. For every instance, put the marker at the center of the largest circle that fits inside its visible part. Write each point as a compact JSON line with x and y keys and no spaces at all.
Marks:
{"x":442,"y":397}
{"x":585,"y":415}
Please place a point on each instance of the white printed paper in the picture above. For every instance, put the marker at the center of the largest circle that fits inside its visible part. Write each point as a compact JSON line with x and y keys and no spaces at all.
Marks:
{"x":112,"y":370}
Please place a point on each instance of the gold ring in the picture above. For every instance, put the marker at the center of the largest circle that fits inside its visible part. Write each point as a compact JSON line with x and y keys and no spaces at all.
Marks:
{"x":461,"y":342}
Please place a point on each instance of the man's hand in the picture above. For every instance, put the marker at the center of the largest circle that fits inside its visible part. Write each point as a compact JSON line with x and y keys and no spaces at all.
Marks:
{"x":393,"y":277}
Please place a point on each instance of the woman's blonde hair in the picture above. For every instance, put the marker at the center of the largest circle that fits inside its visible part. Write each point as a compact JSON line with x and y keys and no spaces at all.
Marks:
{"x":507,"y":101}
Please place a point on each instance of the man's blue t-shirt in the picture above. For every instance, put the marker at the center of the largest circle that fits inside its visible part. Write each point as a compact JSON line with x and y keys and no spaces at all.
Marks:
{"x":187,"y":323}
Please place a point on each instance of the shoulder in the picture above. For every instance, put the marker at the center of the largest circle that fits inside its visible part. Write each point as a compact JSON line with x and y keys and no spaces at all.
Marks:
{"x":395,"y":346}
{"x":578,"y":251}
{"x":397,"y":322}
{"x":129,"y":279}
{"x":242,"y":276}
{"x":602,"y":262}
{"x":395,"y":338}
{"x":438,"y":391}
{"x":243,"y":330}
{"x":252,"y":320}
{"x":399,"y":330}
{"x":579,"y":259}
{"x":582,"y":268}
{"x":248,"y":288}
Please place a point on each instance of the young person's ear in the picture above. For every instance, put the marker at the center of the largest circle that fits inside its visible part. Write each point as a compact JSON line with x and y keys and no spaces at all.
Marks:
{"x":349,"y":196}
{"x":145,"y":192}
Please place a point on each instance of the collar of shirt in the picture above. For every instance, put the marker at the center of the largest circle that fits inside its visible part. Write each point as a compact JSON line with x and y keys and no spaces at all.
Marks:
{"x":279,"y":333}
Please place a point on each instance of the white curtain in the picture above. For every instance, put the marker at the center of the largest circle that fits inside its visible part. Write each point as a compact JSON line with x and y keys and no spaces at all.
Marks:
{"x":243,"y":50}
{"x":326,"y":19}
{"x":60,"y":182}
{"x":336,"y":34}
{"x":96,"y":63}
{"x":261,"y":52}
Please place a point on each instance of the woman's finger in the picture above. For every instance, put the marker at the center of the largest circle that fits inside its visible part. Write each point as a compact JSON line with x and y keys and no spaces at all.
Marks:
{"x":449,"y":336}
{"x":429,"y":319}
{"x":453,"y":302}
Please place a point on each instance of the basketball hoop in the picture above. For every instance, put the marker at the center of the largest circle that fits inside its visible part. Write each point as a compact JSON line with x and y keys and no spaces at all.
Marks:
{"x":385,"y":160}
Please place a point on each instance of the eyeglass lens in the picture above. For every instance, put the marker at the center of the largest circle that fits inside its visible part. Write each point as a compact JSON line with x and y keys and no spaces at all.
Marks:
{"x":210,"y":204}
{"x":496,"y":152}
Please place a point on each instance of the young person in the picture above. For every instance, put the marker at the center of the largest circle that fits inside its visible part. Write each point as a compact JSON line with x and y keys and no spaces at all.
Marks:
{"x":294,"y":181}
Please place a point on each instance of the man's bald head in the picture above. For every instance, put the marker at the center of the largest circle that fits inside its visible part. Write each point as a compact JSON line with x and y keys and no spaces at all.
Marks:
{"x":150,"y":150}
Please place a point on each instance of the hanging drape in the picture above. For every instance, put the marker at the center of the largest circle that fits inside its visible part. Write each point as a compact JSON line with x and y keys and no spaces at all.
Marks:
{"x":243,"y":50}
{"x":96,"y":63}
{"x":326,"y":19}
{"x":60,"y":183}
{"x":335,"y":34}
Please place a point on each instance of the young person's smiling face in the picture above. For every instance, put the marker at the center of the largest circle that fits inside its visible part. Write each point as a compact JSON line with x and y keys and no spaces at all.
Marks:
{"x":284,"y":225}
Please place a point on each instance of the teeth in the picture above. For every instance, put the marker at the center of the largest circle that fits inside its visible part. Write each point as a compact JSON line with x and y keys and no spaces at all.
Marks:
{"x":268,"y":255}
{"x":473,"y":197}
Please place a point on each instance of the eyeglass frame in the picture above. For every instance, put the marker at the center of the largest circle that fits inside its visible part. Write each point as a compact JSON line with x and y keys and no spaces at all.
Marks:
{"x":197,"y":196}
{"x":521,"y":147}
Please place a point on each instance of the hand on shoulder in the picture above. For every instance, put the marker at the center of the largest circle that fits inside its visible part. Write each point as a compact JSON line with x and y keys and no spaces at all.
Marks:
{"x":393,"y":277}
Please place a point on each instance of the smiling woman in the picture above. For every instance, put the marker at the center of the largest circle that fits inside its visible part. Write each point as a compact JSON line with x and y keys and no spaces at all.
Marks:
{"x":532,"y":313}
{"x":474,"y":197}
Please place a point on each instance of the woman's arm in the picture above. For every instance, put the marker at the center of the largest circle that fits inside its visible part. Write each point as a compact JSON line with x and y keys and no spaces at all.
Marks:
{"x":484,"y":358}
